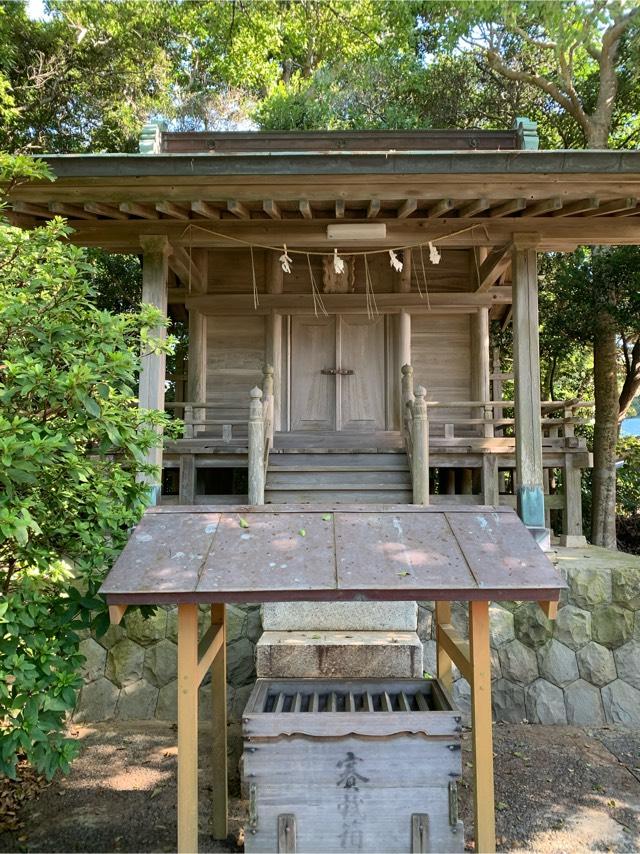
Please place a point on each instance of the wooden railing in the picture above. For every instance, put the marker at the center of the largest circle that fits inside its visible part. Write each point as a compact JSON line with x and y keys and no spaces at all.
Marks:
{"x":260,"y":440}
{"x":559,"y":418}
{"x":415,"y":430}
{"x":194,"y":421}
{"x":493,"y":423}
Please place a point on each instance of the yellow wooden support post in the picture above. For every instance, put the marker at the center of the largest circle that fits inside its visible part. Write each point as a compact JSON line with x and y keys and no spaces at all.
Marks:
{"x":219,"y":728}
{"x":443,"y":616}
{"x":187,"y":728}
{"x":482,"y":729}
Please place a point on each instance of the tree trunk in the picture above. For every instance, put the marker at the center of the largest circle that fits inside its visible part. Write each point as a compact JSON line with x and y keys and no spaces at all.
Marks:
{"x":603,"y":508}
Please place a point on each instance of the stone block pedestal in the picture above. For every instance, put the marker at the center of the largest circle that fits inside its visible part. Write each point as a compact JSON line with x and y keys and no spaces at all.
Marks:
{"x":346,"y":640}
{"x":344,"y":655}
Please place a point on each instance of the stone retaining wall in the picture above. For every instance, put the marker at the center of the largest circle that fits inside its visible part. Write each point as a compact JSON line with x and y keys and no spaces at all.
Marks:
{"x":130,"y":673}
{"x":584,"y":669}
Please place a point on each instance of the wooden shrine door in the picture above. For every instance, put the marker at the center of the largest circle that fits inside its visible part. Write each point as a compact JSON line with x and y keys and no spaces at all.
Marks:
{"x":338,"y":373}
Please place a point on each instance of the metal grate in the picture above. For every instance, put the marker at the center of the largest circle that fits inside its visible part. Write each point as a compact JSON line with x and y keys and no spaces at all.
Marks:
{"x":410,"y":700}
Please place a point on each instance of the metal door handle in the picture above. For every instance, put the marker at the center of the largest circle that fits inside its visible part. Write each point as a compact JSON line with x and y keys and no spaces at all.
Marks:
{"x":345,"y":372}
{"x":331,"y":371}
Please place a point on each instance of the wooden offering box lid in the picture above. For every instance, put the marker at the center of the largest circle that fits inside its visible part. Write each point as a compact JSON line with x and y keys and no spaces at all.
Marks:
{"x":340,"y":552}
{"x":342,"y":707}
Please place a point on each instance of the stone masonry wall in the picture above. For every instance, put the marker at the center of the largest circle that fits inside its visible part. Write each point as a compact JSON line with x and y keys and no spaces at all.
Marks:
{"x":582,"y":669}
{"x":130,"y":673}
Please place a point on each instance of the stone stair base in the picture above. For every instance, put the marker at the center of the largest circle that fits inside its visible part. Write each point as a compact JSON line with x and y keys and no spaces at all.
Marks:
{"x":339,"y":654}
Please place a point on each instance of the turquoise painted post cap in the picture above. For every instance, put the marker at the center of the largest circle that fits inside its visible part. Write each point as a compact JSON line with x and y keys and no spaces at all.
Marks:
{"x":150,"y":141}
{"x":528,"y":131}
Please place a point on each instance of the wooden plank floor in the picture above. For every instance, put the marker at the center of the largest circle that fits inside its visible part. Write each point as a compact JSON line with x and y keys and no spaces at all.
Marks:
{"x":388,"y":440}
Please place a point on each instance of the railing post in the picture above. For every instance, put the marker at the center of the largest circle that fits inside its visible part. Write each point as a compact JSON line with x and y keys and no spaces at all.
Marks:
{"x":420,"y":458}
{"x":407,"y":392}
{"x":256,"y":448}
{"x":188,"y":421}
{"x":267,"y":383}
{"x":268,"y":400}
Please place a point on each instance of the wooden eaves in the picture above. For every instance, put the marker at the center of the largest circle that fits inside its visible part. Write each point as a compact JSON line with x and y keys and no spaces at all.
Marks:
{"x":480,"y":198}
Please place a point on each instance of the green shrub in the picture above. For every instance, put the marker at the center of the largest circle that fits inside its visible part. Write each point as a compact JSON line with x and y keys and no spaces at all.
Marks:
{"x":72,"y":466}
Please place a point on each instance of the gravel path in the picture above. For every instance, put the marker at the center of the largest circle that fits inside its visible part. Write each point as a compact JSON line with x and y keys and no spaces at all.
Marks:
{"x":558,"y":789}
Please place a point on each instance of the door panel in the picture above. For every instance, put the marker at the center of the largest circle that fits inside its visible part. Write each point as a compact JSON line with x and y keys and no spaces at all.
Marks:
{"x":362,"y":394}
{"x":313,"y":394}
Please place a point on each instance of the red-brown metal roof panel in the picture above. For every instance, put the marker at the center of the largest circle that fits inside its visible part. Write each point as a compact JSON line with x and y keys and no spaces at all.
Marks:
{"x":341,"y":552}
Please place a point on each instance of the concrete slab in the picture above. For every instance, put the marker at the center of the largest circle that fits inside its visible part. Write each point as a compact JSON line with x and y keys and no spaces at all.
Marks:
{"x":339,"y":654}
{"x":340,"y":616}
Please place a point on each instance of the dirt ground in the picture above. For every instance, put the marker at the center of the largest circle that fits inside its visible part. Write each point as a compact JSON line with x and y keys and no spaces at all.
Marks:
{"x":558,"y":789}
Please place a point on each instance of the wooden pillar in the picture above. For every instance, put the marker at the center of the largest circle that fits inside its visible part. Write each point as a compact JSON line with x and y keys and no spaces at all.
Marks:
{"x":155,"y":251}
{"x":490,"y":486}
{"x":572,"y":511}
{"x":402,"y":285}
{"x":450,"y":481}
{"x":197,"y":364}
{"x":256,"y":447}
{"x":403,"y":282}
{"x":526,"y":348}
{"x":219,"y":728}
{"x":482,"y":731}
{"x":187,"y":493}
{"x":274,"y":358}
{"x":404,"y":353}
{"x":466,"y":481}
{"x":187,"y":728}
{"x":420,"y":449}
{"x":481,"y":378}
{"x":496,"y":370}
{"x":275,"y":285}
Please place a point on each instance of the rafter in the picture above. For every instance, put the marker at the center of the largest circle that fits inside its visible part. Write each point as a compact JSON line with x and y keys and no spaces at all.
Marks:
{"x":136,"y":209}
{"x":440,"y":208}
{"x":31,"y":210}
{"x":205,"y":209}
{"x":305,"y":209}
{"x":271,"y":209}
{"x":172,"y":210}
{"x":110,"y":211}
{"x":581,"y":206}
{"x":617,"y":206}
{"x":238,"y":209}
{"x":508,"y":207}
{"x":70,"y":211}
{"x":373,"y":209}
{"x":474,"y":207}
{"x":543,"y":207}
{"x":407,"y":208}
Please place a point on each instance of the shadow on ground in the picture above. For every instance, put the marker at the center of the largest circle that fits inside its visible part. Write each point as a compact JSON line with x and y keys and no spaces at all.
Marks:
{"x":558,"y":789}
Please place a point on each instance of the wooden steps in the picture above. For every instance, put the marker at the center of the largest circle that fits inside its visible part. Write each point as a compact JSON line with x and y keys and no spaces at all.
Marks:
{"x":312,"y":477}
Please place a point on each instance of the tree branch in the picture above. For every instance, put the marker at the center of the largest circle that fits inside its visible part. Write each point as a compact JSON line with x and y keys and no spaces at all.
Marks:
{"x":542,"y":83}
{"x":631,"y":385}
{"x":544,"y":45}
{"x":608,"y":78}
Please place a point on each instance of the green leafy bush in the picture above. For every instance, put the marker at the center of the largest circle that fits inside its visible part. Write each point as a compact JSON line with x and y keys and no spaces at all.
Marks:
{"x":72,"y":467}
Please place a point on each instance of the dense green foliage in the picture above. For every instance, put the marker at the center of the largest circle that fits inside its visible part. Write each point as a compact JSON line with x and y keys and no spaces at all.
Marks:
{"x":88,"y":76}
{"x":72,"y":448}
{"x":574,"y":289}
